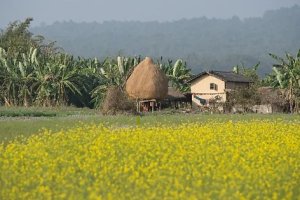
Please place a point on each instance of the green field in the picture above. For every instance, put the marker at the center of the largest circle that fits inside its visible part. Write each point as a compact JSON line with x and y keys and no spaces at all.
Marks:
{"x":27,"y":121}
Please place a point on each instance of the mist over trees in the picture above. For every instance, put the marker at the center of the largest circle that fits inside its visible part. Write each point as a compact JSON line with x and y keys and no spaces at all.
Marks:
{"x":203,"y":43}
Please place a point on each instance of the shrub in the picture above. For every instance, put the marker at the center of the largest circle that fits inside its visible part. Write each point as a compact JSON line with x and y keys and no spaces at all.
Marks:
{"x":116,"y":101}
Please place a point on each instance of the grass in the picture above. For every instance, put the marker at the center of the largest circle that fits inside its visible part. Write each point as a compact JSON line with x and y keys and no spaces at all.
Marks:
{"x":27,"y":121}
{"x":44,"y":111}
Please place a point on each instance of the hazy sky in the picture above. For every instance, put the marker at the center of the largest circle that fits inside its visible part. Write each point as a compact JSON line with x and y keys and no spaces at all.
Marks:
{"x":49,"y":11}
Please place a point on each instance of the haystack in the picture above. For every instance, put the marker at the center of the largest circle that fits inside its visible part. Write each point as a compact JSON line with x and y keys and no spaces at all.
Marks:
{"x":147,"y":81}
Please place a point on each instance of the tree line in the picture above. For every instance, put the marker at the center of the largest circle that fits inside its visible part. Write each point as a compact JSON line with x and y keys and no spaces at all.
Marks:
{"x":205,"y":44}
{"x":36,"y":73}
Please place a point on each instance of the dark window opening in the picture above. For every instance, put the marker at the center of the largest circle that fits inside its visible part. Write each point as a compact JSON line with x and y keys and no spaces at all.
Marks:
{"x":213,"y":86}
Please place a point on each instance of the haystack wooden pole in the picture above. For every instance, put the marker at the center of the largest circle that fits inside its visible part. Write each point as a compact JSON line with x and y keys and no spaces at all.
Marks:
{"x":137,"y":105}
{"x":153,"y":106}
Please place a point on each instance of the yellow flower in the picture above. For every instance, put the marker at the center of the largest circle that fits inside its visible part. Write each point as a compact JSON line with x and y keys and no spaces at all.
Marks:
{"x":214,"y":160}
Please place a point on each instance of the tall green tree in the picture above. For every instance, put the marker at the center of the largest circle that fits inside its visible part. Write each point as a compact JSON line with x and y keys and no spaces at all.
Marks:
{"x":17,"y":39}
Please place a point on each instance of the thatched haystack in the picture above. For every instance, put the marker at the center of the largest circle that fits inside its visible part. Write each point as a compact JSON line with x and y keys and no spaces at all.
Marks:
{"x":147,"y":81}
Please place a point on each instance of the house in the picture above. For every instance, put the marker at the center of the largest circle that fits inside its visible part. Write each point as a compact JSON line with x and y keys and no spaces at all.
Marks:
{"x":215,"y":85}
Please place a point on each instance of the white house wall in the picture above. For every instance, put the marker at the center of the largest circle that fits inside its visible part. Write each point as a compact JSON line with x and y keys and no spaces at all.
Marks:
{"x":201,"y":88}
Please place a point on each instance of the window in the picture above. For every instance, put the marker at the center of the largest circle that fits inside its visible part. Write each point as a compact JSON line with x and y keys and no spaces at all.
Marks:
{"x":213,"y":86}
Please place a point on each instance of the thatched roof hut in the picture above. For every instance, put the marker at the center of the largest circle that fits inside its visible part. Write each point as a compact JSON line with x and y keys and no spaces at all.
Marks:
{"x":147,"y":81}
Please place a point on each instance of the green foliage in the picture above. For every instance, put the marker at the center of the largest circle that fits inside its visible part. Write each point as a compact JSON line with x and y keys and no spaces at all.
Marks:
{"x":244,"y":96}
{"x":177,"y":73}
{"x":17,"y":39}
{"x":249,"y":72}
{"x":18,"y":113}
{"x":34,"y":78}
{"x":17,"y":77}
{"x":112,"y":72}
{"x":34,"y":73}
{"x":286,"y":75}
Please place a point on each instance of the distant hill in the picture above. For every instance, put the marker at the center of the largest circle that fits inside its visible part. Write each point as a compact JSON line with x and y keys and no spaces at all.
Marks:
{"x":203,"y":43}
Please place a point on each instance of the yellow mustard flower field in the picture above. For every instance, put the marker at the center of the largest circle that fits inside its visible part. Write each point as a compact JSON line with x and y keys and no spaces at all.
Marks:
{"x":211,"y":160}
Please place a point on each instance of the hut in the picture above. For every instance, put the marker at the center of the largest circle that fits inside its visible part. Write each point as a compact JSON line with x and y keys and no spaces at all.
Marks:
{"x":175,"y":99}
{"x":147,"y":84}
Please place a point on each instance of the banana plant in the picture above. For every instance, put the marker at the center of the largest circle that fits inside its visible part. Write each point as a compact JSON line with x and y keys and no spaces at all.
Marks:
{"x":26,"y":75}
{"x":113,"y":72}
{"x":177,"y":73}
{"x":9,"y":79}
{"x":56,"y":79}
{"x":250,"y":72}
{"x":286,"y":76}
{"x":17,"y":77}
